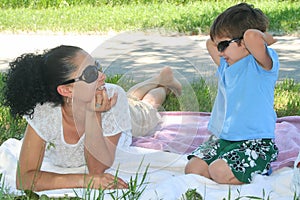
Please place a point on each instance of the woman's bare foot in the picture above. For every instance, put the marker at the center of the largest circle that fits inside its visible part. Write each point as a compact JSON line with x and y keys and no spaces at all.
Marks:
{"x":167,"y":79}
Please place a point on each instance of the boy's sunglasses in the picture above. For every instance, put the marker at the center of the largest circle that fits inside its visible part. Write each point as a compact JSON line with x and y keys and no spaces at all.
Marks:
{"x":89,"y":74}
{"x":224,"y":44}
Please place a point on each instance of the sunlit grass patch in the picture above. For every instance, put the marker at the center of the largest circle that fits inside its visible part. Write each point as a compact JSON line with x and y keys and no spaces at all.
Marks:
{"x":287,"y":98}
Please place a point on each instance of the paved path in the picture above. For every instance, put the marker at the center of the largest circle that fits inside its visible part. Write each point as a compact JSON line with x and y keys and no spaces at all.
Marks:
{"x":138,"y":53}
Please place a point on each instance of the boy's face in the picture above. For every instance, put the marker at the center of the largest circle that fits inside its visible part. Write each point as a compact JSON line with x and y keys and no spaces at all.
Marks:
{"x":230,"y":49}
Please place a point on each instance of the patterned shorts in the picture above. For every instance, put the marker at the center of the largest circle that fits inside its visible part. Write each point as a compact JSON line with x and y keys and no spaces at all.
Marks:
{"x":245,"y":158}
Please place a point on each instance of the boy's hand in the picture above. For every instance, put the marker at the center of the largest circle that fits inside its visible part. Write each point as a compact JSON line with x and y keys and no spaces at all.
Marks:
{"x":269,"y":39}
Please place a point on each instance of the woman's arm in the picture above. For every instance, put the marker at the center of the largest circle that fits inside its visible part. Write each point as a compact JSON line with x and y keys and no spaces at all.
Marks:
{"x":30,"y":160}
{"x":255,"y":41}
{"x":29,"y":175}
{"x":99,"y":150}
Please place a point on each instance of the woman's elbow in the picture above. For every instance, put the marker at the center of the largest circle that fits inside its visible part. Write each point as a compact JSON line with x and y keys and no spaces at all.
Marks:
{"x":25,"y":182}
{"x":20,"y":183}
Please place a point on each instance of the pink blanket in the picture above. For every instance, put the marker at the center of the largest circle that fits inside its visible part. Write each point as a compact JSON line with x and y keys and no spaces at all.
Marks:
{"x":182,"y":132}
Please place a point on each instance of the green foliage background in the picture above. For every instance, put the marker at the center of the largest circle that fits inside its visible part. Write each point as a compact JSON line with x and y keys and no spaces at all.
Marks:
{"x":101,"y":16}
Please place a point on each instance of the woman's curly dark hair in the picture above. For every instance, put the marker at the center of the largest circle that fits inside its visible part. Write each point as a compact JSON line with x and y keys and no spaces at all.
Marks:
{"x":33,"y":79}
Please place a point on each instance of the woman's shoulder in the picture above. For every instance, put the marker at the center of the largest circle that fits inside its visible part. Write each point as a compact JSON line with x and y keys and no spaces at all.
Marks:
{"x":44,"y":111}
{"x":46,"y":120}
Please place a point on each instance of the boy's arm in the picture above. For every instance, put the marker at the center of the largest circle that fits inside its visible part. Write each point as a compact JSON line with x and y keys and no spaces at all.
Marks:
{"x":255,"y":41}
{"x":269,"y":38}
{"x":213,"y":51}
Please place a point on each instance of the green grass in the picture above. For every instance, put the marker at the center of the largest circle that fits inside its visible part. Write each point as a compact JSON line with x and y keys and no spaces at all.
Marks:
{"x":188,"y":17}
{"x":287,"y":98}
{"x":136,"y":187}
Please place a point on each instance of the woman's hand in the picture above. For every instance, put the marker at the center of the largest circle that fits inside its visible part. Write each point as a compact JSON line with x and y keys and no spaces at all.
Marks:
{"x":101,"y":102}
{"x":108,"y":181}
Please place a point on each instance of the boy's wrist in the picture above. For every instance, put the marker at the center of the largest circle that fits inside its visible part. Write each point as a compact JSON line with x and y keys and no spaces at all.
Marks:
{"x":269,"y":39}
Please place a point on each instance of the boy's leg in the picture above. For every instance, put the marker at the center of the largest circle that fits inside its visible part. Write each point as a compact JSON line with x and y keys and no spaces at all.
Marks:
{"x":221,"y":173}
{"x":202,"y":157}
{"x":239,"y":160}
{"x":197,"y":166}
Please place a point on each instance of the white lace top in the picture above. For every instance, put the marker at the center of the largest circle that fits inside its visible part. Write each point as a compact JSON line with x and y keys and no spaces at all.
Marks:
{"x":47,"y":122}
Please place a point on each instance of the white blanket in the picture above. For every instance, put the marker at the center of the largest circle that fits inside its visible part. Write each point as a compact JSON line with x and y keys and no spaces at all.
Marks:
{"x":165,"y":178}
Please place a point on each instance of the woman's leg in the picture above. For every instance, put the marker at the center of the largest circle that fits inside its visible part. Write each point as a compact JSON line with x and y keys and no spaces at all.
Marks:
{"x":155,"y":89}
{"x":156,"y":96}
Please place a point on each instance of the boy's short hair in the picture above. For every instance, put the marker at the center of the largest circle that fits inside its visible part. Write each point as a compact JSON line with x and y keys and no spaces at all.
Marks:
{"x":234,"y":21}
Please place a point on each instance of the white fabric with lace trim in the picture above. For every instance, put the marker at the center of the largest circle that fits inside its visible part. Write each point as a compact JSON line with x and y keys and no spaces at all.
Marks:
{"x":47,"y":122}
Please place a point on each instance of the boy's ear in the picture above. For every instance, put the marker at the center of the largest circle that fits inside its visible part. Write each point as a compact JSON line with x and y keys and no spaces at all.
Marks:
{"x":64,"y":90}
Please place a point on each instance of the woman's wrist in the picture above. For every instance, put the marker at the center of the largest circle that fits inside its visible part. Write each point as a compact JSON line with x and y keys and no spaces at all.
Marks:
{"x":86,"y":180}
{"x":92,"y":117}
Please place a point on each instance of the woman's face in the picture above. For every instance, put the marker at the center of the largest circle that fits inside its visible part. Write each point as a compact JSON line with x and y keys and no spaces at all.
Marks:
{"x":234,"y":51}
{"x":82,"y":90}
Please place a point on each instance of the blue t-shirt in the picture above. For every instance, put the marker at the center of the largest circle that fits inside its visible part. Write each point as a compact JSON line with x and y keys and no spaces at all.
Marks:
{"x":243,"y":107}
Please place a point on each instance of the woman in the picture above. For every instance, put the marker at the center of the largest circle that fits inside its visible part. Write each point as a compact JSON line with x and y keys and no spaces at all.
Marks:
{"x":74,"y":117}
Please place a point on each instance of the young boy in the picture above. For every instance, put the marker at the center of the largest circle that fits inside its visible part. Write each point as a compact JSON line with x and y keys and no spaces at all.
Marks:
{"x":243,"y":119}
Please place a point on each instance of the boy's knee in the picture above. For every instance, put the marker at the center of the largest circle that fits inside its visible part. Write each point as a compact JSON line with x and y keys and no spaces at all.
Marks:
{"x":189,"y":168}
{"x":197,"y":166}
{"x":221,"y":173}
{"x":217,"y":171}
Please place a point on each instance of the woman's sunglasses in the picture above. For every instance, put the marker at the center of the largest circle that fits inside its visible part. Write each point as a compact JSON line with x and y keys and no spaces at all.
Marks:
{"x":224,"y":44}
{"x":89,"y":74}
